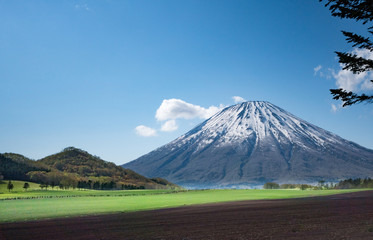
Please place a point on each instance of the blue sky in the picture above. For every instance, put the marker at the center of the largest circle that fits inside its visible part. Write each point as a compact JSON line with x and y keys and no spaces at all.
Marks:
{"x":89,"y":73}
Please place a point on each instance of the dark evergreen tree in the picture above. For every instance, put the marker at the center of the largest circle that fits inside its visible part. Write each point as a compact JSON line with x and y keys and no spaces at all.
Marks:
{"x":80,"y":185}
{"x":10,"y":186}
{"x":53,"y":184}
{"x":359,"y":10}
{"x":26,"y":186}
{"x":96,"y":185}
{"x":89,"y":184}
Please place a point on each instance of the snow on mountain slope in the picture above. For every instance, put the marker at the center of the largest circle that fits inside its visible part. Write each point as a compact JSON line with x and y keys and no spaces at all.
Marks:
{"x":251,"y":143}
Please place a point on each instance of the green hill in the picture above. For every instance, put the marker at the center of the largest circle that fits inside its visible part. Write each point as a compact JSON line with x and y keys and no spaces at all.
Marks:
{"x":76,"y":168}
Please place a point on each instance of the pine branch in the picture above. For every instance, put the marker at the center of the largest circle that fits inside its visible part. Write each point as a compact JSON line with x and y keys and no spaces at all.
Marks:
{"x":354,"y":63}
{"x":358,"y":40}
{"x":360,"y":10}
{"x":350,"y":98}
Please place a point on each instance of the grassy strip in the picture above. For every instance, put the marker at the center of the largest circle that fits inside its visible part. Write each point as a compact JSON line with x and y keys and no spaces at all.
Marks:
{"x":34,"y":192}
{"x":35,"y":209}
{"x":80,"y":193}
{"x":90,"y":193}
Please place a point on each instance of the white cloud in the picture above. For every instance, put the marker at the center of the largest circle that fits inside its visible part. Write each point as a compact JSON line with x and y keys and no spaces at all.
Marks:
{"x":349,"y":81}
{"x":172,"y":109}
{"x":334,"y":108}
{"x":316,"y":69}
{"x":177,"y":108}
{"x":169,"y":126}
{"x":238,"y":99}
{"x":145,"y":131}
{"x":355,"y":82}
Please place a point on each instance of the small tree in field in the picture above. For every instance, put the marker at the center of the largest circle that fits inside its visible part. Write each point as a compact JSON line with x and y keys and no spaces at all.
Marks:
{"x":10,"y":186}
{"x":26,"y":186}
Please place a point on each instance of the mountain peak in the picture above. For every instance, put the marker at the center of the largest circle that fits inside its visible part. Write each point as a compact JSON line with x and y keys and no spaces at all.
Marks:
{"x":253,"y":119}
{"x":252,"y":104}
{"x":73,"y":149}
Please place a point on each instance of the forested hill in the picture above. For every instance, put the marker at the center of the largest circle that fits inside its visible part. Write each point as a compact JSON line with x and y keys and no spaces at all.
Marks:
{"x":16,"y":166}
{"x":74,"y":160}
{"x":74,"y":167}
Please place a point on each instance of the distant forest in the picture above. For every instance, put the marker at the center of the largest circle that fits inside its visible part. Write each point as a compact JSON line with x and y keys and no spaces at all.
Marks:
{"x":350,"y":183}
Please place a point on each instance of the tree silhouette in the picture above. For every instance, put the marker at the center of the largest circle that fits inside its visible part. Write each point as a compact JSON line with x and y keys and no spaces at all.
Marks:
{"x":359,"y":10}
{"x":10,"y":186}
{"x":26,"y":186}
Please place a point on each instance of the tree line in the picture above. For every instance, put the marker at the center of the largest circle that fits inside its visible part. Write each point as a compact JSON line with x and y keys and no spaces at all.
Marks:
{"x":67,"y":180}
{"x":350,"y":183}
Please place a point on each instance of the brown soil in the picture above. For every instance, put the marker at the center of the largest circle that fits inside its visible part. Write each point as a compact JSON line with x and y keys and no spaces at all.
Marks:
{"x":345,"y":216}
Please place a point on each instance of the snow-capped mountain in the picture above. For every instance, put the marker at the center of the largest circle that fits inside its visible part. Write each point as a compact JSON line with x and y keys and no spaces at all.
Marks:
{"x":252,"y":143}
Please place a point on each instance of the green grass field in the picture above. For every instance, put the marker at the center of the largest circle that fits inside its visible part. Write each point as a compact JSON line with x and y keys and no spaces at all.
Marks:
{"x":18,"y":186}
{"x":37,"y":204}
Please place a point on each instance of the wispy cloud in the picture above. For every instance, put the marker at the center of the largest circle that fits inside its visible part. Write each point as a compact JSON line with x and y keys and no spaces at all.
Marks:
{"x":177,"y":108}
{"x":238,"y":99}
{"x":83,"y":7}
{"x":145,"y":131}
{"x":316,"y":69}
{"x":334,"y":108}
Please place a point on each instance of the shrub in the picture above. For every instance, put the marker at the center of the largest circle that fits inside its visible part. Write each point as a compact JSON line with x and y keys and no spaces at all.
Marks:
{"x":271,"y":185}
